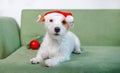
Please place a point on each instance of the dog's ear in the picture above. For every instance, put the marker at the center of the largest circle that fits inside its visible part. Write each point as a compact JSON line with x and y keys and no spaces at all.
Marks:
{"x":40,"y":18}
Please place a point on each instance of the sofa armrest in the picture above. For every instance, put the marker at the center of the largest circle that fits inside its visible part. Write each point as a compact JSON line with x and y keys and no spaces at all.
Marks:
{"x":9,"y":36}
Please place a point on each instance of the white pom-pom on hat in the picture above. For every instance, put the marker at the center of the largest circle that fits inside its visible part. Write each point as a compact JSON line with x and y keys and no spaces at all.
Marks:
{"x":70,"y":20}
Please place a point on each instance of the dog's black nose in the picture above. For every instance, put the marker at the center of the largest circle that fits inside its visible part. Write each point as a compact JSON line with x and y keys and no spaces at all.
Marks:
{"x":57,"y":29}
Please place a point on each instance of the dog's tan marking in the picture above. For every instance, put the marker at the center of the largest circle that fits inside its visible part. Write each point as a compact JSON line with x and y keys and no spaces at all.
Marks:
{"x":66,"y":25}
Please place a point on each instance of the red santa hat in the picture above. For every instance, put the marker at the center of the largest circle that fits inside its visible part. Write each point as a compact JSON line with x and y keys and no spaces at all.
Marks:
{"x":68,"y":16}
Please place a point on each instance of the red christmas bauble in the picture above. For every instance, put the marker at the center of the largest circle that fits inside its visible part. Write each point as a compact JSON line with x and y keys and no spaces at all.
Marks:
{"x":34,"y":44}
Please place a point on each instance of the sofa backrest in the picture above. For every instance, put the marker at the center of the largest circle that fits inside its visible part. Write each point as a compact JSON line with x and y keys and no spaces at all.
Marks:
{"x":93,"y":27}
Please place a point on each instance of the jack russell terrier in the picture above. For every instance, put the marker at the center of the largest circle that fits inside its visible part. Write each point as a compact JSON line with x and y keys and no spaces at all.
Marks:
{"x":59,"y":42}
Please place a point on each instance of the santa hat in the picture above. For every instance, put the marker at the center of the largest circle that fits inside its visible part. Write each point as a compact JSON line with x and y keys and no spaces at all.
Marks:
{"x":68,"y":16}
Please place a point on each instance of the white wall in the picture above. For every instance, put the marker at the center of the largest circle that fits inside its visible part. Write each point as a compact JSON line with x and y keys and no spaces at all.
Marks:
{"x":12,"y":8}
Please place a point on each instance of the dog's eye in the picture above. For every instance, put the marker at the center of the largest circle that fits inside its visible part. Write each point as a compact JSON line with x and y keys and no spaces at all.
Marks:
{"x":51,"y":20}
{"x":64,"y":22}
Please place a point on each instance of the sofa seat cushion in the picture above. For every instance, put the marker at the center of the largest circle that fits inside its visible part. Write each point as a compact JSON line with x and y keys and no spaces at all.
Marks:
{"x":94,"y":59}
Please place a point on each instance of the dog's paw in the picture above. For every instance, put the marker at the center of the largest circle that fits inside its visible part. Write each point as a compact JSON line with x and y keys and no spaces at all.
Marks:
{"x":77,"y":52}
{"x":50,"y":62}
{"x":35,"y":60}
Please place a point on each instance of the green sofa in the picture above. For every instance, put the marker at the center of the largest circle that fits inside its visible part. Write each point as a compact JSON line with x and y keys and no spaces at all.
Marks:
{"x":98,"y":30}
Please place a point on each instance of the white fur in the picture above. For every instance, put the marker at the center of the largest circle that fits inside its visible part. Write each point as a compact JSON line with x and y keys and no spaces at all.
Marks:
{"x":56,"y":48}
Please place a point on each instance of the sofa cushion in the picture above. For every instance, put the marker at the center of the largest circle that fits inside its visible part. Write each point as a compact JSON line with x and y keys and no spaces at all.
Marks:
{"x":9,"y":36}
{"x":94,"y":59}
{"x":93,"y":27}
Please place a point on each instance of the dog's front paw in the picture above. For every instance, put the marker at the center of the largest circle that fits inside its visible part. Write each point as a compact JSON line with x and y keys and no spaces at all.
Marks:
{"x":50,"y":62}
{"x":35,"y":60}
{"x":77,"y":51}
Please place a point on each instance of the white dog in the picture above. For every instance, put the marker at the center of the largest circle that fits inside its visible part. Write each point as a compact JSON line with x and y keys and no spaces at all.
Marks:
{"x":59,"y":42}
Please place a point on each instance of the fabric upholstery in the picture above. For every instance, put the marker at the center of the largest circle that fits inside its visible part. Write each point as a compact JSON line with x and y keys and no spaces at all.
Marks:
{"x":9,"y":36}
{"x":94,"y":59}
